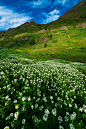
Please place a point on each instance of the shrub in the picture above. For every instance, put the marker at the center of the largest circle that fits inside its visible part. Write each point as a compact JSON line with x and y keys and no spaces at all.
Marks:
{"x":55,"y":41}
{"x":75,"y":35}
{"x":83,"y":16}
{"x":81,"y":47}
{"x":45,"y":45}
{"x":32,"y":42}
{"x":50,"y":36}
{"x":35,"y":35}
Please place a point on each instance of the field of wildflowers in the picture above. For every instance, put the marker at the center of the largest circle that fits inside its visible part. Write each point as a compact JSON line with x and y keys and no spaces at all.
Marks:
{"x":44,"y":94}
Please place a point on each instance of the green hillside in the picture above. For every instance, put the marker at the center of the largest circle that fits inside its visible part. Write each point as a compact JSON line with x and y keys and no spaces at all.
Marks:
{"x":64,"y":38}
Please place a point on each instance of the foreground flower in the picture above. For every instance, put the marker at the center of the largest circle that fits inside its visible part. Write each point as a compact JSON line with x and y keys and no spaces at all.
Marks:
{"x":23,"y":108}
{"x":72,"y":116}
{"x":23,"y":121}
{"x":66,"y":118}
{"x":15,"y":101}
{"x":85,"y":110}
{"x":32,"y":106}
{"x":16,"y":114}
{"x":35,"y":118}
{"x":36,"y":105}
{"x":7,"y":127}
{"x":51,"y":97}
{"x":6,"y":97}
{"x":60,"y":127}
{"x":67,"y":113}
{"x":70,"y":105}
{"x":22,"y":127}
{"x":29,"y":99}
{"x":60,"y":119}
{"x":80,"y":109}
{"x":45,"y":99}
{"x":16,"y":107}
{"x":72,"y":126}
{"x":11,"y":114}
{"x":54,"y":111}
{"x":45,"y":116}
{"x":23,"y":98}
{"x":47,"y":111}
{"x":41,"y":107}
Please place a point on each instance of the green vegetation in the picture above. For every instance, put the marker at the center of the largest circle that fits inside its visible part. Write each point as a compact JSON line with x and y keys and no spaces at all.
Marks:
{"x":45,"y":45}
{"x":55,"y":41}
{"x":4,"y":53}
{"x":41,"y":94}
{"x":50,"y":36}
{"x":66,"y":44}
{"x":45,"y":89}
{"x":32,"y":42}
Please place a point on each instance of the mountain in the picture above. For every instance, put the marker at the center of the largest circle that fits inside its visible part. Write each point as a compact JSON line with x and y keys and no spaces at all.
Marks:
{"x":75,"y":15}
{"x":65,"y":38}
{"x":32,"y":21}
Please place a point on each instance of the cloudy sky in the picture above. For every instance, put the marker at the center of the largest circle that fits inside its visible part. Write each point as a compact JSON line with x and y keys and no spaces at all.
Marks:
{"x":16,"y":12}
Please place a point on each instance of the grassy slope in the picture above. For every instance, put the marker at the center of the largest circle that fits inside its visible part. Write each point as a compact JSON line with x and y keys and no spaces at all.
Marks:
{"x":9,"y":54}
{"x":64,"y":44}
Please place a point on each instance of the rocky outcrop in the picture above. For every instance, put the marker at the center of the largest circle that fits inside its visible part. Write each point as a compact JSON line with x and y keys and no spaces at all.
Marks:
{"x":63,"y":28}
{"x":10,"y":29}
{"x":82,"y":25}
{"x":23,"y":39}
{"x":32,"y":21}
{"x":43,"y":39}
{"x":42,"y":31}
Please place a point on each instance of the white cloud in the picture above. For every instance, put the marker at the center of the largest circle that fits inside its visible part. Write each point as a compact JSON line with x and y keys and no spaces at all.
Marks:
{"x":54,"y":12}
{"x":37,"y":4}
{"x":51,"y":16}
{"x":62,"y":2}
{"x":11,"y":19}
{"x":50,"y":19}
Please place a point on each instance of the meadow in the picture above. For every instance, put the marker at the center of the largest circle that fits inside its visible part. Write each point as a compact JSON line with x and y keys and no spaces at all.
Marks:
{"x":61,"y":44}
{"x":38,"y":94}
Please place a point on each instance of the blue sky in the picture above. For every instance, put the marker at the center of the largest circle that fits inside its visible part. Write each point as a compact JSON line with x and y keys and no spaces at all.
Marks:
{"x":16,"y":12}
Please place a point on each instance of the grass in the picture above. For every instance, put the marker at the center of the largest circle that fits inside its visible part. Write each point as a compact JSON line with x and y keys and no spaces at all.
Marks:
{"x":38,"y":94}
{"x":69,"y":44}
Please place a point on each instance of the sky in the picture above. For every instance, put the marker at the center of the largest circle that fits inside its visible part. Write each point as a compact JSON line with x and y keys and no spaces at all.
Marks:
{"x":13,"y":13}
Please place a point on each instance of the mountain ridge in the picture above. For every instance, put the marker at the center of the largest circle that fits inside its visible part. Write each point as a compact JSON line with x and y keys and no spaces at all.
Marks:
{"x":61,"y":18}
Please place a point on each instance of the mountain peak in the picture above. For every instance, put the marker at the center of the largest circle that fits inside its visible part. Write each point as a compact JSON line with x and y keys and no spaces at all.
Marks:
{"x":32,"y":21}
